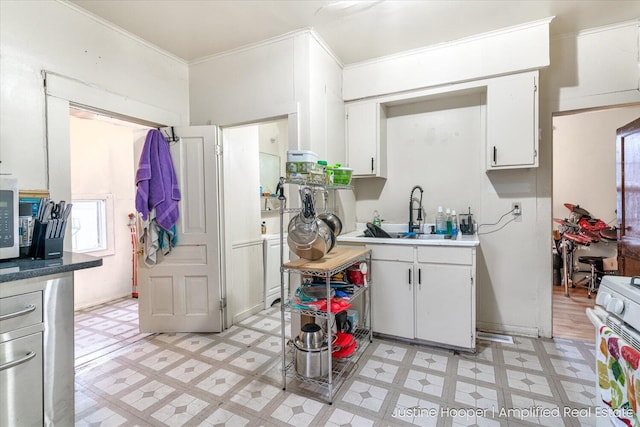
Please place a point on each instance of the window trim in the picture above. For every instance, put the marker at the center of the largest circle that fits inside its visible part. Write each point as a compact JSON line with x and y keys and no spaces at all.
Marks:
{"x":107,"y":198}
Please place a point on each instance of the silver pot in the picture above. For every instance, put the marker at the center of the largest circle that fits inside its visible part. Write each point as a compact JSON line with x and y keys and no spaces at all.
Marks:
{"x":331,"y":219}
{"x":311,"y":337}
{"x":309,"y":237}
{"x":311,"y":363}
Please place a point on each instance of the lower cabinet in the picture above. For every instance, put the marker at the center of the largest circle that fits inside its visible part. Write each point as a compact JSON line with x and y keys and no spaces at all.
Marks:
{"x":425,"y":293}
{"x":21,"y":380}
{"x":392,"y":301}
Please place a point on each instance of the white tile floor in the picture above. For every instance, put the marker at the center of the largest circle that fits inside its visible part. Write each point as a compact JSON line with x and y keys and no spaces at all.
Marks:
{"x":234,"y":379}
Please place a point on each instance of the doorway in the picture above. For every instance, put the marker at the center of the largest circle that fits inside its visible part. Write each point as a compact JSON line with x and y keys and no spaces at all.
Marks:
{"x":584,"y":174}
{"x":248,"y":208}
{"x":103,"y":193}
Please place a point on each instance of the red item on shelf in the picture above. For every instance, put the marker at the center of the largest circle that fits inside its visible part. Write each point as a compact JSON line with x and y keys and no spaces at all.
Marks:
{"x":345,"y":351}
{"x":343,"y":340}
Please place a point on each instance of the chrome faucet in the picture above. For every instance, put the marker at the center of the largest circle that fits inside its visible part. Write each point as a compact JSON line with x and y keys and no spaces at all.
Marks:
{"x":413,"y":226}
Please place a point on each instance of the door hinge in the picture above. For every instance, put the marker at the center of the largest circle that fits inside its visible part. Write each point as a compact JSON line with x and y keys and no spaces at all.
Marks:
{"x":218,"y":150}
{"x":223,"y":303}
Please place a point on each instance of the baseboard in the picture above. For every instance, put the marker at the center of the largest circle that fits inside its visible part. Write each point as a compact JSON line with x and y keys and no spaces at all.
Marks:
{"x":496,"y":328}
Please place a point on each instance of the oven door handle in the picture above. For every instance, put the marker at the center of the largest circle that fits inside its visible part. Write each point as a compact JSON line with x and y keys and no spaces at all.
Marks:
{"x":595,"y":319}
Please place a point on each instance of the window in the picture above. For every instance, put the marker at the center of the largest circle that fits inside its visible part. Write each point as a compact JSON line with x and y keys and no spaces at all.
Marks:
{"x":90,"y":224}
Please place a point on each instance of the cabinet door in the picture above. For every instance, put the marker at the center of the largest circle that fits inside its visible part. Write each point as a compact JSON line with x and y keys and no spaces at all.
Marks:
{"x":366,"y":151}
{"x":21,"y":379}
{"x":512,"y":122}
{"x":392,"y":298}
{"x":444,"y":304}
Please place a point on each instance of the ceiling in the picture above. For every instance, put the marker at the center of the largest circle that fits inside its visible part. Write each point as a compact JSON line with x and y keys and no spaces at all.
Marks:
{"x":355,"y":30}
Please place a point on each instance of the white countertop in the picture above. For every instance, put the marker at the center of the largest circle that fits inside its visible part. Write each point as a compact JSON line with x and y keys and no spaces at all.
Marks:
{"x":357,"y":237}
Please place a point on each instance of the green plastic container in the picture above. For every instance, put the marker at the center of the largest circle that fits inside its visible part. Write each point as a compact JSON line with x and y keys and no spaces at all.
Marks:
{"x":342,"y":176}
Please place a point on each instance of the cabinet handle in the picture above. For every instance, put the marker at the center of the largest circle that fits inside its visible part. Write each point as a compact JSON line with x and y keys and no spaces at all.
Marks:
{"x":495,"y":154}
{"x":17,"y":362}
{"x":26,"y":310}
{"x":372,"y":165}
{"x":409,"y":276}
{"x":420,"y":277}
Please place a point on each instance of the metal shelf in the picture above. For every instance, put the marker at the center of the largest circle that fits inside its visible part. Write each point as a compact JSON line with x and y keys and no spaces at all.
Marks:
{"x":322,"y":314}
{"x":339,"y":259}
{"x":318,"y":184}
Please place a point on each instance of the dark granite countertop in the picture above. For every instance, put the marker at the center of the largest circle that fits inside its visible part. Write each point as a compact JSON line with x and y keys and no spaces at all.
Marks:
{"x":25,"y":268}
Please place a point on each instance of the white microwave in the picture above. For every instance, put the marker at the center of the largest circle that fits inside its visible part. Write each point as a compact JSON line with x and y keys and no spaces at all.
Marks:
{"x":9,"y":219}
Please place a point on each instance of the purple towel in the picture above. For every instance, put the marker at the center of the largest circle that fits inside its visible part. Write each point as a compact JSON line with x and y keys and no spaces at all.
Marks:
{"x":156,"y":181}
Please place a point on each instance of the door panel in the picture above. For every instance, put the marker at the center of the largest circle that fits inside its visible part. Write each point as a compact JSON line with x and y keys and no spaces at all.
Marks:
{"x":628,"y":180}
{"x":392,"y":298}
{"x":443,"y":305}
{"x":181,"y":293}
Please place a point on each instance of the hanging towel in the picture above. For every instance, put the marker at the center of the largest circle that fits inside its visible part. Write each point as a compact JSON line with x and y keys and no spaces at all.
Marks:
{"x":150,"y":242}
{"x":157,"y":185}
{"x":618,"y":377}
{"x":168,"y":239}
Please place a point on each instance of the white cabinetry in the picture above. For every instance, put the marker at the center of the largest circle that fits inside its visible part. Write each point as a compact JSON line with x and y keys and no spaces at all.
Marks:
{"x":512,"y":121}
{"x":445,"y":296}
{"x":425,"y":293}
{"x":366,"y":139}
{"x":392,"y":303}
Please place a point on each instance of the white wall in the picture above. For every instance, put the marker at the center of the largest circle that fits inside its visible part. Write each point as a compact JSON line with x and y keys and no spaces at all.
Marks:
{"x":244,"y":86}
{"x":521,"y":47}
{"x":37,"y":35}
{"x":436,"y":145}
{"x":584,"y":167}
{"x":102,"y":162}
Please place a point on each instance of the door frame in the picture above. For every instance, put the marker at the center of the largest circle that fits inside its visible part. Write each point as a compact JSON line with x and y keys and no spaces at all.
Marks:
{"x":63,"y":92}
{"x":289,"y":114}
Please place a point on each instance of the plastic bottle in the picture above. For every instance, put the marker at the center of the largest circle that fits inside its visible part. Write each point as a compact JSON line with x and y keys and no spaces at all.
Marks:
{"x":449,"y":223}
{"x":263,"y":227}
{"x":376,"y":218}
{"x":441,"y":222}
{"x":454,"y":223}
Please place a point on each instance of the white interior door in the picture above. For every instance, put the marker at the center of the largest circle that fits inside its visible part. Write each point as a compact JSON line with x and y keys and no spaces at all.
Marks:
{"x":182,"y":293}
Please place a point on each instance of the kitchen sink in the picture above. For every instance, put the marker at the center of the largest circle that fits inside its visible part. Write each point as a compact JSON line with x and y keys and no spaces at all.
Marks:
{"x":420,"y":236}
{"x":415,"y":236}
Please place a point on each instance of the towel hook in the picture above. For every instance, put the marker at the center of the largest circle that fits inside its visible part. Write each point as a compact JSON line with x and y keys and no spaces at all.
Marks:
{"x":173,"y":137}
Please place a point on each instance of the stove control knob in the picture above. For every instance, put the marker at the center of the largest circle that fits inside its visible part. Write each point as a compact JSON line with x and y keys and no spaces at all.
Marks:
{"x":603,"y":298}
{"x":615,"y":306}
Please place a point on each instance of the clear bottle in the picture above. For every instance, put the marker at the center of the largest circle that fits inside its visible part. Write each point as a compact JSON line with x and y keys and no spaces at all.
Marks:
{"x":376,"y":218}
{"x":448,"y":223}
{"x":441,"y":222}
{"x":454,"y":223}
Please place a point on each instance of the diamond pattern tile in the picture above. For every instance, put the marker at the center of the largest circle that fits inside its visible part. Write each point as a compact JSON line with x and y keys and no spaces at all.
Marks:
{"x":234,"y":379}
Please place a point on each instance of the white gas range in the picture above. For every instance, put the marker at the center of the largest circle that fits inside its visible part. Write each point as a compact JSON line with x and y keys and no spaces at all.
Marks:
{"x":616,"y":317}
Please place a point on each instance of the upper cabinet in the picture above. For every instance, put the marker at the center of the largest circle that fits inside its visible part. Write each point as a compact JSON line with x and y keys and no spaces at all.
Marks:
{"x":366,"y":139}
{"x":512,"y":121}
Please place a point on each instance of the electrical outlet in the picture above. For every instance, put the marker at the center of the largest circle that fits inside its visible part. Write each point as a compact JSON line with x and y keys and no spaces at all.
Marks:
{"x":516,"y":208}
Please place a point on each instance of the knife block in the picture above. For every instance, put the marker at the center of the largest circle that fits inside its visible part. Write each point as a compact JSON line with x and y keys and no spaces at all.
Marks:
{"x":44,"y":248}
